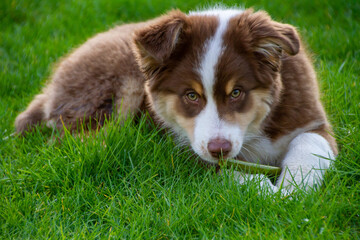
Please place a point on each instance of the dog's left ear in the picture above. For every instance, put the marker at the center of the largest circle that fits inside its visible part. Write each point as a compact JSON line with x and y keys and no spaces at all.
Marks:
{"x":155,"y":43}
{"x":267,"y":40}
{"x":270,"y":44}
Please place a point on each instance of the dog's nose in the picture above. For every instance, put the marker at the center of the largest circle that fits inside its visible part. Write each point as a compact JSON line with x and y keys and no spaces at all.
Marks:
{"x":218,"y":147}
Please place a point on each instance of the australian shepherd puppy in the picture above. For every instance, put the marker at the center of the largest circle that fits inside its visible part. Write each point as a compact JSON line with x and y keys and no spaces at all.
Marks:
{"x":232,"y":83}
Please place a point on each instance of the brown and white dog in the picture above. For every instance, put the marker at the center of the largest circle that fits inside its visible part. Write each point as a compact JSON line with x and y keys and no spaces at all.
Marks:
{"x":230,"y":82}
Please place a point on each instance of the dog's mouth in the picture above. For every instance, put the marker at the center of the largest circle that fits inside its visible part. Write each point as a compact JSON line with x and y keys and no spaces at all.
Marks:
{"x":208,"y":163}
{"x":215,"y":161}
{"x":214,"y":155}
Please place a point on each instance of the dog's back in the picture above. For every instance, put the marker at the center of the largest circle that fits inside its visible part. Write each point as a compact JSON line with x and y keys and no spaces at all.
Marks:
{"x":87,"y":84}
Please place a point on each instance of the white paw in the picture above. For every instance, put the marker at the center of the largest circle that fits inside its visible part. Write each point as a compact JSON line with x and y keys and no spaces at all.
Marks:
{"x":262,"y":182}
{"x":299,"y":180}
{"x":308,"y":157}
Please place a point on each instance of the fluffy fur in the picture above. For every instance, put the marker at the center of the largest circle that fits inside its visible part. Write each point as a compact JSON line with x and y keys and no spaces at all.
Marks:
{"x":231,"y":83}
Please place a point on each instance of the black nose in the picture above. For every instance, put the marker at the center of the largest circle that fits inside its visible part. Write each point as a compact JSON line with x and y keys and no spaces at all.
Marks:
{"x":218,"y":147}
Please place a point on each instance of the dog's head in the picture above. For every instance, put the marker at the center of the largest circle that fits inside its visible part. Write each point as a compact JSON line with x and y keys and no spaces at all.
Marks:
{"x":213,"y":76}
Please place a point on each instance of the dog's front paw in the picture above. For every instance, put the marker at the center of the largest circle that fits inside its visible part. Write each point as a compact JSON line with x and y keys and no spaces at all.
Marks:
{"x":308,"y":156}
{"x":262,"y":182}
{"x":300,"y":179}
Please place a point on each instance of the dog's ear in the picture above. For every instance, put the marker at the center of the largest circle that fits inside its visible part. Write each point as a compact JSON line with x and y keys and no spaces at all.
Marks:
{"x":267,"y":39}
{"x":155,"y":43}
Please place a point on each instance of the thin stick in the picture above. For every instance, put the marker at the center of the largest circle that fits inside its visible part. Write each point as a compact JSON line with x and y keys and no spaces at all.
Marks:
{"x":251,"y":168}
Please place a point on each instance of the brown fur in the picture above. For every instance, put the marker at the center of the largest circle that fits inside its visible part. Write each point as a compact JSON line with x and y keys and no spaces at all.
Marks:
{"x":87,"y":83}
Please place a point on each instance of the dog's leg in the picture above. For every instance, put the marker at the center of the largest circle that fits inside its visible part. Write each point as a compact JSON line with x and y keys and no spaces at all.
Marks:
{"x":308,"y":156}
{"x":263,"y":182}
{"x":129,"y":98}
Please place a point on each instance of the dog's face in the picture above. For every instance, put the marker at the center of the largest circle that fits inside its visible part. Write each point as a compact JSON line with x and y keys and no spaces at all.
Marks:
{"x":213,"y":77}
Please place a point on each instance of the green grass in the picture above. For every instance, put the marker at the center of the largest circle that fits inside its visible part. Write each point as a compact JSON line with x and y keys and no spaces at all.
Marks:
{"x":133,"y":182}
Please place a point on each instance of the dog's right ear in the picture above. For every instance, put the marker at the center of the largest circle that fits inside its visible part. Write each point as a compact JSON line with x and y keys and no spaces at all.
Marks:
{"x":155,"y":43}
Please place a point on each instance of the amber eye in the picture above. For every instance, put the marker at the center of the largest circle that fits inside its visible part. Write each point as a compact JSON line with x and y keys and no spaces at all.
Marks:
{"x":192,"y":96}
{"x":236,"y":93}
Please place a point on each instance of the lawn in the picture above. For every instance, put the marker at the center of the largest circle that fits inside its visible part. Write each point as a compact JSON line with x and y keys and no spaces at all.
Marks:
{"x":133,"y":182}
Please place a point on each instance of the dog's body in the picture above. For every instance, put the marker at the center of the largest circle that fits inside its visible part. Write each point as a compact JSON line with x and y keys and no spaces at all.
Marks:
{"x":232,"y":83}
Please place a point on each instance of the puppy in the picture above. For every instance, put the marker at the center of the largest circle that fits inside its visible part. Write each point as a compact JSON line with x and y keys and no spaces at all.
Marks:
{"x":232,"y":83}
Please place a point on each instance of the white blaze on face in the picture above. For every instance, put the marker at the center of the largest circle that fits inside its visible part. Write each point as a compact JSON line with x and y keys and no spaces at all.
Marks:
{"x":208,"y":124}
